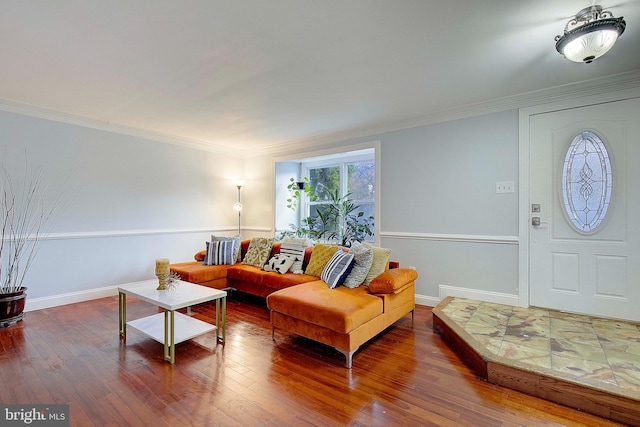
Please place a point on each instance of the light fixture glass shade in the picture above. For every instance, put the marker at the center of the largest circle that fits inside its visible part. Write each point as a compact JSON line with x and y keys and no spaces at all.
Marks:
{"x":589,"y":35}
{"x":237,"y":206}
{"x":587,"y":47}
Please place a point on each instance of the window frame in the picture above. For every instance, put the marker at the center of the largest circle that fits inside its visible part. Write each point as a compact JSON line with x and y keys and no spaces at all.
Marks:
{"x":297,"y":157}
{"x":342,"y":163}
{"x":605,"y":179}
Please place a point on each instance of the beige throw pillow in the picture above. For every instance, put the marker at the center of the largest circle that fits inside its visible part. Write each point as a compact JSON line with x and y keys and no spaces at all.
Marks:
{"x":258,"y":252}
{"x":380,"y":262}
{"x":363,"y":260}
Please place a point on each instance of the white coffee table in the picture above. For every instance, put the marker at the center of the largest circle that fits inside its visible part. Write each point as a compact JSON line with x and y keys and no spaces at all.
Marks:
{"x":171,"y":327}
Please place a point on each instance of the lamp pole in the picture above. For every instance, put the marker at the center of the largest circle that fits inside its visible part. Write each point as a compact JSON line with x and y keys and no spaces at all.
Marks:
{"x":238,"y":205}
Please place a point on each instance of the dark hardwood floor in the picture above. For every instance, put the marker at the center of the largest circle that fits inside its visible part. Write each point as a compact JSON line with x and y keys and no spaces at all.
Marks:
{"x":406,"y":376}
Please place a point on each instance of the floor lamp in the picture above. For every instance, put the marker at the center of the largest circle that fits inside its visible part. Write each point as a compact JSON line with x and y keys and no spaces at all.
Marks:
{"x":238,"y":205}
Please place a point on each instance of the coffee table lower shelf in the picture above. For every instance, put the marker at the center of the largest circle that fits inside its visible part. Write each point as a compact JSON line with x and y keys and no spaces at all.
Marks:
{"x":171,"y":327}
{"x":186,"y":327}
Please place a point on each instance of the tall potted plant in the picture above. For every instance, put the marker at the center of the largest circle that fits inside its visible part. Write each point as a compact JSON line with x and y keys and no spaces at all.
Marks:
{"x":339,"y":220}
{"x":24,"y":215}
{"x":342,"y":221}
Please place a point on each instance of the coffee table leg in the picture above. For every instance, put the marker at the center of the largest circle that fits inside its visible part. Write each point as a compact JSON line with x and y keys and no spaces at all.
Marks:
{"x":224,"y":319}
{"x":122,"y":315}
{"x":169,"y":341}
{"x":221,"y":319}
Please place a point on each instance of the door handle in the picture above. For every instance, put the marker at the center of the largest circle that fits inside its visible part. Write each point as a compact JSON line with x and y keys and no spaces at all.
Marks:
{"x":535,"y":221}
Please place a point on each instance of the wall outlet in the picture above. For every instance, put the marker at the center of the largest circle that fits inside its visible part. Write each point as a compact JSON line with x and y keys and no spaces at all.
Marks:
{"x":505,"y":187}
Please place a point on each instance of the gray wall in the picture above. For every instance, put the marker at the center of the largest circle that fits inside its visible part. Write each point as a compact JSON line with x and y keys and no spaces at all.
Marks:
{"x":136,"y":199}
{"x":129,"y":201}
{"x":439,"y":209}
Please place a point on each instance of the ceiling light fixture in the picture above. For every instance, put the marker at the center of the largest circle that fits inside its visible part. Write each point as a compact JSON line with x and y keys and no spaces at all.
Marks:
{"x":590,"y":34}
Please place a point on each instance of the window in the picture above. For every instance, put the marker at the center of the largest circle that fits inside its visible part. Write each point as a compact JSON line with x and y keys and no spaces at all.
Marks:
{"x":343,"y":208}
{"x":353,"y":178}
{"x":587,"y":182}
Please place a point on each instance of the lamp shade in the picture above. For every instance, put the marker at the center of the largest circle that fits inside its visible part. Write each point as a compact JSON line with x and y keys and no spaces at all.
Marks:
{"x":592,"y":35}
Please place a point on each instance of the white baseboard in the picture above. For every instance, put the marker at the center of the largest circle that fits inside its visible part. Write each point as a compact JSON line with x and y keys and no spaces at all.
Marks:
{"x":494,"y":297}
{"x":33,"y":304}
{"x":427,"y":300}
{"x":69,"y":298}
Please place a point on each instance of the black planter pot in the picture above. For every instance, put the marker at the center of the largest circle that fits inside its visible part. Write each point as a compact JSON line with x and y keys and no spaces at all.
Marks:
{"x":12,"y":307}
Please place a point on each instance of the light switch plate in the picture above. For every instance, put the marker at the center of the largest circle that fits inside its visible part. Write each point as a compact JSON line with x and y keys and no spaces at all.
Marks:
{"x":505,"y":187}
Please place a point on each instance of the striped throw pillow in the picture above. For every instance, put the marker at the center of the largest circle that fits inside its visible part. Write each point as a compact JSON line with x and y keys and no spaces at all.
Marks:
{"x":337,"y":269}
{"x":220,"y":252}
{"x":296,"y":252}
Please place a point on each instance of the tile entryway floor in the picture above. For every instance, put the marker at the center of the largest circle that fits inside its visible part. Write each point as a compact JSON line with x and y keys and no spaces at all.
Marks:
{"x":597,"y":350}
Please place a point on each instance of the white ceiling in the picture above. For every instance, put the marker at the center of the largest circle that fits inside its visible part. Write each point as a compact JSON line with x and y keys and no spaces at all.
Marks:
{"x":257,"y":74}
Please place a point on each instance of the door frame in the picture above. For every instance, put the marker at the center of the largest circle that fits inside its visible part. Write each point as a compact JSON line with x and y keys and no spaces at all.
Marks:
{"x":525,"y":114}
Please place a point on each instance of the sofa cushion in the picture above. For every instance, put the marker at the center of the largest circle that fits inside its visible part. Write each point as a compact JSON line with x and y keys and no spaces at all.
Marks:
{"x":308,"y":251}
{"x":337,"y":269}
{"x":281,"y":281}
{"x":319,"y":257}
{"x":340,"y":309}
{"x":199,"y":256}
{"x":195,"y":272}
{"x":247,"y":273}
{"x":380,"y":262}
{"x":362,"y":260}
{"x":392,"y":280}
{"x":258,"y":252}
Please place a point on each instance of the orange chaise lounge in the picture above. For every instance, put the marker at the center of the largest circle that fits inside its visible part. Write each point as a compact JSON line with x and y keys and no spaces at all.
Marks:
{"x":344,"y":318}
{"x":302,"y":304}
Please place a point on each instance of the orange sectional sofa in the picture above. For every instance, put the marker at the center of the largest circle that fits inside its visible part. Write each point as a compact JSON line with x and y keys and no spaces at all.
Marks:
{"x":244,"y":278}
{"x":343,"y":318}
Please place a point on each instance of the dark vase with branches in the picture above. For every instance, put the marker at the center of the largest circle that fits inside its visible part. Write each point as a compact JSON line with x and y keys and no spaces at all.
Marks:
{"x":24,"y":217}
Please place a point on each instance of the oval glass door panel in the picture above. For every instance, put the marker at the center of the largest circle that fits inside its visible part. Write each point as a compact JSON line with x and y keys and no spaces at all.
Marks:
{"x":587,"y":182}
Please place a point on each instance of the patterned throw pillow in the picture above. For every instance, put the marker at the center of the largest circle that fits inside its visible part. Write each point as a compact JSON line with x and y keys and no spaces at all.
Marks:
{"x":363,"y":258}
{"x":220,"y":252}
{"x":294,"y":248}
{"x":235,"y":240}
{"x":279,"y":263}
{"x":258,"y":252}
{"x":380,"y":262}
{"x":319,"y":257}
{"x":337,"y":269}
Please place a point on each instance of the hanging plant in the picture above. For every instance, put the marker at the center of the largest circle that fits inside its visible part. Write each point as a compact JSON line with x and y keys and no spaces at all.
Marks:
{"x":297,"y":189}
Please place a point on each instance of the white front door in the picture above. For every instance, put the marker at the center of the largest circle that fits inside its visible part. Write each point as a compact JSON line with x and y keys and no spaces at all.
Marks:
{"x":582,"y":260}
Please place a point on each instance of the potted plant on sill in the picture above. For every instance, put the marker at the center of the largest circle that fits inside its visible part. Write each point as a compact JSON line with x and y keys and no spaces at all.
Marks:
{"x":342,"y":222}
{"x":339,"y":221}
{"x":24,"y":215}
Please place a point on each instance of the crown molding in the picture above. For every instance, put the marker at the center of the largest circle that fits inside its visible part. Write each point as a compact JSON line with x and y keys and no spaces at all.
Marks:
{"x":539,"y":97}
{"x":29,"y":110}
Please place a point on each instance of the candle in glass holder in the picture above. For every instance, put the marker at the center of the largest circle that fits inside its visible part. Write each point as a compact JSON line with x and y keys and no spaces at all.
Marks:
{"x":162,"y":266}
